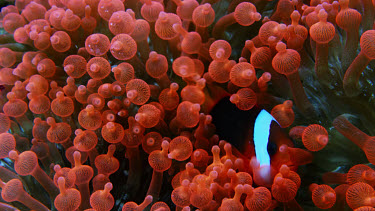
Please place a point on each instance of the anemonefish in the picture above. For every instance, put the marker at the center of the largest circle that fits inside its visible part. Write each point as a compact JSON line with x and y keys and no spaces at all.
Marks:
{"x":255,"y":133}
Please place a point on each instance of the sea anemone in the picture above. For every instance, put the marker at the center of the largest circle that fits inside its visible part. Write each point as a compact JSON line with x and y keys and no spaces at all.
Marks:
{"x":159,"y":105}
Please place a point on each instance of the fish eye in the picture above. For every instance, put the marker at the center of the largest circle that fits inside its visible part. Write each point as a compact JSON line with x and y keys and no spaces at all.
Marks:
{"x":271,"y":148}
